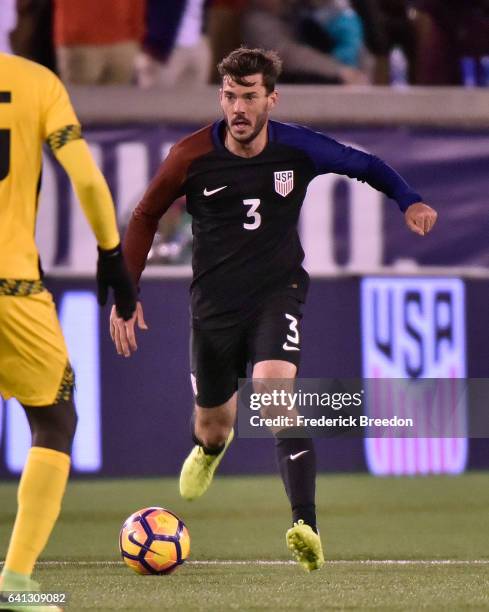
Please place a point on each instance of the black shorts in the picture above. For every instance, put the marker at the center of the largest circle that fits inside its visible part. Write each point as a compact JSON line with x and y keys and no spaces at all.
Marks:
{"x":219,"y":356}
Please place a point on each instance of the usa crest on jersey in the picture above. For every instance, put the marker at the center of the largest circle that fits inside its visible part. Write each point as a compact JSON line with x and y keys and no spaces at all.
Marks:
{"x":284,"y":182}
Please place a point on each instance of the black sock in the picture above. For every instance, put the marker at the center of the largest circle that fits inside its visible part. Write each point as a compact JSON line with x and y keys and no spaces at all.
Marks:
{"x":297,"y":463}
{"x":213,"y":450}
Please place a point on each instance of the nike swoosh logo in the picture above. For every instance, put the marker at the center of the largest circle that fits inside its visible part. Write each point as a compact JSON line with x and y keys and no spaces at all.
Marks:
{"x":288,"y":347}
{"x":208,"y":193}
{"x":297,"y":455}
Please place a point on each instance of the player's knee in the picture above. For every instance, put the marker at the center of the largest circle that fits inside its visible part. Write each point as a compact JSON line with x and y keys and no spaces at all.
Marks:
{"x":69,"y":420}
{"x":64,"y":419}
{"x":273,"y":369}
{"x":53,"y":426}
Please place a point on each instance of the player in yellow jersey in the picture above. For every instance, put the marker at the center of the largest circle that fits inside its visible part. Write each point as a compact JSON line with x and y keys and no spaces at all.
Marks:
{"x":34,"y":367}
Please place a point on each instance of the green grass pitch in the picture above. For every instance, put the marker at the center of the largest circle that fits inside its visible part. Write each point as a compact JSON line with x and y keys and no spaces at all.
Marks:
{"x":439,"y":527}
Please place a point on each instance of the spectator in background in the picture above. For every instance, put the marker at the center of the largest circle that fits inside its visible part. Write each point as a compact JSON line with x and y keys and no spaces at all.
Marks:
{"x":175,"y":51}
{"x":448,"y":32}
{"x":97,"y":40}
{"x":340,"y":28}
{"x":8,"y":20}
{"x":265,"y":25}
{"x":33,"y":35}
{"x":387,"y":26}
{"x":224,"y":30}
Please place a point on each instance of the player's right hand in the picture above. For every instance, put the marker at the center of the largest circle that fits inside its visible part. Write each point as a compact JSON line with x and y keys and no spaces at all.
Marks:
{"x":123,"y":333}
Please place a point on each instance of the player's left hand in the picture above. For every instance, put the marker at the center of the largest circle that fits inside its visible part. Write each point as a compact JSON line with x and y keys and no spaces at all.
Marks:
{"x":122,"y":332}
{"x":112,"y":272}
{"x":420,"y":218}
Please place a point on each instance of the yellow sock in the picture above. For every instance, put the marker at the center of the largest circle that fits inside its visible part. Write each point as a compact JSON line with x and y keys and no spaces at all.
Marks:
{"x":39,"y":496}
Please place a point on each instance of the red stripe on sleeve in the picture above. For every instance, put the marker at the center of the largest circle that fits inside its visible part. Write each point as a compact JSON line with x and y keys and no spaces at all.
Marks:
{"x":166,"y":186}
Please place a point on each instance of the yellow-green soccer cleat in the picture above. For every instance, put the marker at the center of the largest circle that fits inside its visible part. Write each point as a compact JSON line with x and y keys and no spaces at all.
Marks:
{"x":15,"y":592}
{"x":305,"y":545}
{"x":198,"y":470}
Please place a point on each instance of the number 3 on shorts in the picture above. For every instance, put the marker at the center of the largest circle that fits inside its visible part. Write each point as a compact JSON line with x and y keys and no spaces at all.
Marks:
{"x":293,"y":337}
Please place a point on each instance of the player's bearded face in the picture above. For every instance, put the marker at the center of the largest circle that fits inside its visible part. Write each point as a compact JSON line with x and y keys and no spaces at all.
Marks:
{"x":246,"y":107}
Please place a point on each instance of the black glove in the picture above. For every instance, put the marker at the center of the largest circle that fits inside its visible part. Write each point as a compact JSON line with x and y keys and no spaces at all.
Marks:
{"x":112,"y":272}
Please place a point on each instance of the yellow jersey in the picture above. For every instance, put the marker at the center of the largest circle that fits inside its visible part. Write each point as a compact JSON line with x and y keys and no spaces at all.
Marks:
{"x":34,"y":105}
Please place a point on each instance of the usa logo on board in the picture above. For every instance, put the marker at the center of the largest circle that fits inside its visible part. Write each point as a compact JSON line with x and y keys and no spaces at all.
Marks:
{"x":284,"y":182}
{"x":414,"y":329}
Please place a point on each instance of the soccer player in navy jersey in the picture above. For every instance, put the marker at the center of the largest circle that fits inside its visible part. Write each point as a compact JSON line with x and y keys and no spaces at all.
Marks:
{"x":245,"y":178}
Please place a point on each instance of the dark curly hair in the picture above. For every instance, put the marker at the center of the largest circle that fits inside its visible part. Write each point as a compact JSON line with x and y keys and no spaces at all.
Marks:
{"x":243,"y":62}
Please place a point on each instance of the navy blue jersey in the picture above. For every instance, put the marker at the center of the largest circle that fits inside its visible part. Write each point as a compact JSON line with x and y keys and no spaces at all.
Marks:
{"x":245,"y":213}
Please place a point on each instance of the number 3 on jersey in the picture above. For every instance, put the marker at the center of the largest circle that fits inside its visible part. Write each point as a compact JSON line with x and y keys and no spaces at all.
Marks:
{"x":252,"y":213}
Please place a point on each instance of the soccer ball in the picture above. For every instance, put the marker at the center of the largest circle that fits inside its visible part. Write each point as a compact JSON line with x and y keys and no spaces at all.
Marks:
{"x":154,"y":541}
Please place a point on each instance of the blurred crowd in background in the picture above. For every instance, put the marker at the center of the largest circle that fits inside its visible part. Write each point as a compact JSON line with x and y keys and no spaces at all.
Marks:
{"x":171,"y":43}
